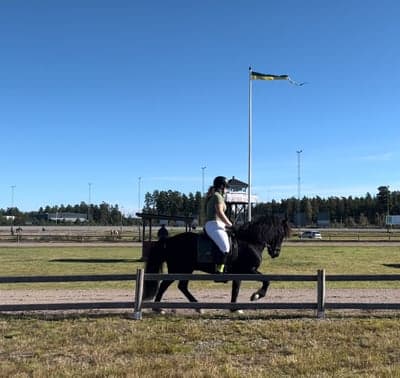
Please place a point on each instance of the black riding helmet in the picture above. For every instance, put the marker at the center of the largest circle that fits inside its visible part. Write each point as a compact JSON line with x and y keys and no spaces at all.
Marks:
{"x":220,"y":181}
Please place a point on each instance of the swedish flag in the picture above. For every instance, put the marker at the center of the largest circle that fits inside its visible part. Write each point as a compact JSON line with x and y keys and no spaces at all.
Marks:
{"x":261,"y":76}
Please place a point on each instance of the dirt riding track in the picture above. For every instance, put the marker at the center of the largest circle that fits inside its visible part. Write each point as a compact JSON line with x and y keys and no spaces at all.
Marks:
{"x":219,"y":294}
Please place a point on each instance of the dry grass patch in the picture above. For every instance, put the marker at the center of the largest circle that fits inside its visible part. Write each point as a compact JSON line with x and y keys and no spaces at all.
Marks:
{"x":211,"y":346}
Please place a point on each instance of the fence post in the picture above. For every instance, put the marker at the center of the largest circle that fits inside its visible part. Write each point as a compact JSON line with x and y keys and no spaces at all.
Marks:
{"x":137,"y":314}
{"x":321,"y":294}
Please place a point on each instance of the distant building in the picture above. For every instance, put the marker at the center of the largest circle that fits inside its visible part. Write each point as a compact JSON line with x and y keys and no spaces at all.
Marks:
{"x":237,"y":199}
{"x":392,"y":220}
{"x":66,"y":217}
{"x":323,"y":219}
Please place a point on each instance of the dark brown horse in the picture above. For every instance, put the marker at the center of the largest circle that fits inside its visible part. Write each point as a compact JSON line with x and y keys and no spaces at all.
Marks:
{"x":181,"y":256}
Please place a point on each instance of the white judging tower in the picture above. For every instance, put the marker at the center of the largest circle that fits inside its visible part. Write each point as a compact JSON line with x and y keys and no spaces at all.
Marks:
{"x":236,"y":199}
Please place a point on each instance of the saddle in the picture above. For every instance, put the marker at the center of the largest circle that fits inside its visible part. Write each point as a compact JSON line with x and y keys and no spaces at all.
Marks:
{"x":208,"y":251}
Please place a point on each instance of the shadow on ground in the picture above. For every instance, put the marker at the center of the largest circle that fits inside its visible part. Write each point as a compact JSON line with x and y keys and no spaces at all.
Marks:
{"x":392,"y":265}
{"x":96,"y":261}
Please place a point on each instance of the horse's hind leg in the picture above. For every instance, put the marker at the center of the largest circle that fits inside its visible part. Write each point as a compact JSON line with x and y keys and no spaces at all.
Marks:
{"x":162,"y":289}
{"x":183,"y":287}
{"x":235,"y":293}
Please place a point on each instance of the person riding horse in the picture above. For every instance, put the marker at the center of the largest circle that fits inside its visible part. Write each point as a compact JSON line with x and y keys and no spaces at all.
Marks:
{"x":180,"y":253}
{"x":217,"y":221}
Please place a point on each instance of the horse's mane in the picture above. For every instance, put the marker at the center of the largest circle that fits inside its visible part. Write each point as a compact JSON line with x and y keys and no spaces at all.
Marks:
{"x":263,"y":229}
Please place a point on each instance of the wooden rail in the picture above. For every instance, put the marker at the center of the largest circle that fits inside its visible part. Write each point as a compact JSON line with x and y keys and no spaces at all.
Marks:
{"x":320,"y":305}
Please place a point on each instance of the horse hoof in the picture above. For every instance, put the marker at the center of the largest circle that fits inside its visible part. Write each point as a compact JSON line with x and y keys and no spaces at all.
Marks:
{"x":255,"y":297}
{"x":239,"y":312}
{"x":159,"y":311}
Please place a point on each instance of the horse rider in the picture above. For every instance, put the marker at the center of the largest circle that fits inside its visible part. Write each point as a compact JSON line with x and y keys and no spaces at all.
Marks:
{"x":217,"y":221}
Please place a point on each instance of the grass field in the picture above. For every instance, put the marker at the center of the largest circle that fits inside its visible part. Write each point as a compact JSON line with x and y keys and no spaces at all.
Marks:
{"x":224,"y":346}
{"x":294,"y":259}
{"x":257,"y":344}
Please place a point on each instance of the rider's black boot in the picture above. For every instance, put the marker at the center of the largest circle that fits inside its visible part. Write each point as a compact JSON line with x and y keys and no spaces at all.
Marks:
{"x":220,"y":263}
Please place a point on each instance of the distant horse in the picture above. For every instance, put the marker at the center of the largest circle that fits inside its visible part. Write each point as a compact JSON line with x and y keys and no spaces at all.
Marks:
{"x":181,"y":255}
{"x":115,"y":234}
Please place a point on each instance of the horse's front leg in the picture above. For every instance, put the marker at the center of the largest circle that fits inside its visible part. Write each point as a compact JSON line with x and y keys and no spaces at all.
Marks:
{"x":162,"y":289}
{"x":235,"y":290}
{"x":262,"y":291}
{"x":183,"y":287}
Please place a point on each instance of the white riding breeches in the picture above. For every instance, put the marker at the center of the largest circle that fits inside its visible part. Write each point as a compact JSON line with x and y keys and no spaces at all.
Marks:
{"x":216,"y":231}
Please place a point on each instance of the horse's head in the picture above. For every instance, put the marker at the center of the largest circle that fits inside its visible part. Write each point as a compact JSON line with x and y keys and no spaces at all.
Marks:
{"x":274,"y":250}
{"x":269,"y":232}
{"x":274,"y":247}
{"x":279,"y":233}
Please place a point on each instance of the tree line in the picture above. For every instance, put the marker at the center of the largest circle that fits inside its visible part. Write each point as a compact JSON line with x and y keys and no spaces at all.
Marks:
{"x":369,"y":210}
{"x":349,"y":211}
{"x":103,"y":214}
{"x":173,"y":203}
{"x":338,"y":211}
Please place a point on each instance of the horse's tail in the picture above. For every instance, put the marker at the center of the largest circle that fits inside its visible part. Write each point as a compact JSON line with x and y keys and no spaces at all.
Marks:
{"x":155,"y":260}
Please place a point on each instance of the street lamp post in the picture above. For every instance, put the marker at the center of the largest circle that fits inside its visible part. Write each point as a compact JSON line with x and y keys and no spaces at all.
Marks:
{"x":388,"y":200}
{"x":121,"y":211}
{"x":139,"y":195}
{"x":388,"y":207}
{"x":298,"y":186}
{"x":139,"y":209}
{"x":202,"y":201}
{"x":12,"y":203}
{"x":90,"y":200}
{"x":202,"y":180}
{"x":12,"y":195}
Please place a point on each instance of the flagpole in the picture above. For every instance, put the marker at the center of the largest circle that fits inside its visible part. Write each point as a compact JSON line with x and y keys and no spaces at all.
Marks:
{"x":250,"y":147}
{"x":259,"y":76}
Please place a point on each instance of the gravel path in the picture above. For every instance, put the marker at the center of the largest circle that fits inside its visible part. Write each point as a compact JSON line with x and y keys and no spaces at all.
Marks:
{"x":24,"y":296}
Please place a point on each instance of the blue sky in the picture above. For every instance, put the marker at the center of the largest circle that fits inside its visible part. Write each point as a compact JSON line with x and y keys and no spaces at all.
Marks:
{"x":105,"y":92}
